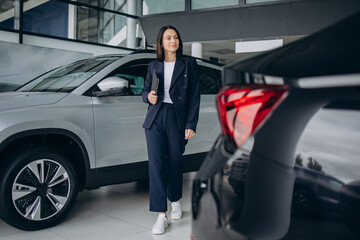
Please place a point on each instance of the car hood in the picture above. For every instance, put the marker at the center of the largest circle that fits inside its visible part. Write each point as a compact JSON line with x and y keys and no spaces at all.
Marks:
{"x":10,"y":100}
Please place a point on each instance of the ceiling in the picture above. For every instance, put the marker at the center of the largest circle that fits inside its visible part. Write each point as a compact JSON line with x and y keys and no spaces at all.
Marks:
{"x":224,"y":51}
{"x":219,"y":29}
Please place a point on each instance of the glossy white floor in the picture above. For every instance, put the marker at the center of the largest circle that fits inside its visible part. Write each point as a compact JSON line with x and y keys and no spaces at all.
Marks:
{"x":118,"y":212}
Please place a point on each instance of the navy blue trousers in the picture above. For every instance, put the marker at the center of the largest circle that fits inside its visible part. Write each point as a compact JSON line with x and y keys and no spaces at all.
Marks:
{"x":165,"y":144}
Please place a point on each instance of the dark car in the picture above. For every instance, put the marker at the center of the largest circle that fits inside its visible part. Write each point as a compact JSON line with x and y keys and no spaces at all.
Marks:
{"x":286,"y":165}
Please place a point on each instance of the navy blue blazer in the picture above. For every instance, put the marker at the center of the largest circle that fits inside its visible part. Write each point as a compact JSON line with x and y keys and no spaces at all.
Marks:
{"x":184,"y":92}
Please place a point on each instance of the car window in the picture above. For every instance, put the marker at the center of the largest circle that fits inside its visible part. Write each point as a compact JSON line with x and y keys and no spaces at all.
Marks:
{"x":210,"y":80}
{"x":69,"y":77}
{"x":136,"y":83}
{"x":329,"y":146}
{"x":135,"y":73}
{"x":330,"y":143}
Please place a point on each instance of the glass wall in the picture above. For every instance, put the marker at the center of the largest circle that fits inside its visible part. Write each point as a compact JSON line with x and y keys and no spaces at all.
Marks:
{"x":87,"y":20}
{"x":260,"y":1}
{"x":200,"y":4}
{"x":114,"y":5}
{"x":162,"y":6}
{"x":167,"y":6}
{"x":99,"y":27}
{"x":7,"y":14}
{"x":49,"y":18}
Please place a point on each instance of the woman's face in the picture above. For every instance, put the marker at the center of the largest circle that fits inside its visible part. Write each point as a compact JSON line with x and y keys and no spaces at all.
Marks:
{"x":170,"y":41}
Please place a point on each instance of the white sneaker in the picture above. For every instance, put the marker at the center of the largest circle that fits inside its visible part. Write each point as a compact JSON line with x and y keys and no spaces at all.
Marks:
{"x":176,"y":212}
{"x":160,"y":225}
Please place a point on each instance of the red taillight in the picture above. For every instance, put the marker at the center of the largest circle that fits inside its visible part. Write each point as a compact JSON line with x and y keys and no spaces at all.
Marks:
{"x":242,"y":109}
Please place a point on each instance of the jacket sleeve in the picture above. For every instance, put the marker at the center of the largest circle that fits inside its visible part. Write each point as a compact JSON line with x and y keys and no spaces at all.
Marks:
{"x":193,"y":96}
{"x":147,"y":84}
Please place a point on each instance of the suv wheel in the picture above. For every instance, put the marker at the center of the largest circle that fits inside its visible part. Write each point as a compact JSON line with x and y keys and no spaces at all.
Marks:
{"x":38,"y":188}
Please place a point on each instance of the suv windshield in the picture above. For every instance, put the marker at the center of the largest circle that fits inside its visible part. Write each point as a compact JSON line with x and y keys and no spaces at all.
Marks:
{"x":69,"y":77}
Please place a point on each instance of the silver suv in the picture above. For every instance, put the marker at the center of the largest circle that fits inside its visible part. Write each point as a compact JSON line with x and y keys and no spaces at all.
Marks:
{"x":79,"y":127}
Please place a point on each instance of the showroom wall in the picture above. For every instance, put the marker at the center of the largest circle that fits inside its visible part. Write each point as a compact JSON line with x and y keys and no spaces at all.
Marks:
{"x":19,"y":63}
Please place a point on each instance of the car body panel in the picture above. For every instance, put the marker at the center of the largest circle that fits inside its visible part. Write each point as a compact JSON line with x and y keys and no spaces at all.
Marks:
{"x":11,"y":100}
{"x":63,"y":115}
{"x":119,"y":136}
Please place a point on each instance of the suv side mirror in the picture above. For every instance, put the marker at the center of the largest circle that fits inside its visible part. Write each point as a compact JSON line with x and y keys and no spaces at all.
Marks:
{"x":112,"y":86}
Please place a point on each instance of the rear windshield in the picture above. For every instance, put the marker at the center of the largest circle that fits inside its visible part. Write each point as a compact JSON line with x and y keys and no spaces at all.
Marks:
{"x":69,"y":77}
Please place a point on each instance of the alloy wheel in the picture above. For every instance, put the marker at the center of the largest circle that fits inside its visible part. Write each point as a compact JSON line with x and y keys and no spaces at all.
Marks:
{"x":41,"y":189}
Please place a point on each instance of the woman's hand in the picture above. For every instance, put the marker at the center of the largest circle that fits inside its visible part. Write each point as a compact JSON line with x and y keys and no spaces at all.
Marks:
{"x":152,"y":97}
{"x":189,"y":134}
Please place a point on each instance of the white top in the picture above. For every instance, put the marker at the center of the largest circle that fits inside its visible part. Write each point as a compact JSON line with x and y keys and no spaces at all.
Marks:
{"x":168,"y":72}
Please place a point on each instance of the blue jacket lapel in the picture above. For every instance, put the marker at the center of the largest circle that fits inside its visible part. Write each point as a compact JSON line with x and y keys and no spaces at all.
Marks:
{"x":178,"y":70}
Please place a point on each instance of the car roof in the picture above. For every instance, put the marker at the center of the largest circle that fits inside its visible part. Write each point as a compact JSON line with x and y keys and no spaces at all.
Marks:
{"x":333,"y":50}
{"x":146,"y":51}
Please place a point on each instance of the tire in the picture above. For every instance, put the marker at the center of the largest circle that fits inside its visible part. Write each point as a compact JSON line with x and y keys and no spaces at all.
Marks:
{"x":38,"y":188}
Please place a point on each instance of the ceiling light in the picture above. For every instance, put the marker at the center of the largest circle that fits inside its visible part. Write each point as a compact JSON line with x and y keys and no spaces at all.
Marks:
{"x":257,"y":46}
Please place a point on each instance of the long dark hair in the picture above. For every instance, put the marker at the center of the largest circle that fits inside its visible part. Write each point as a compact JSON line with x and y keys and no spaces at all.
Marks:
{"x":159,"y":44}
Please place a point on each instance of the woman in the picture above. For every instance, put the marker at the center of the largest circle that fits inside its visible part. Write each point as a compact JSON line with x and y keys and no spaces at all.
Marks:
{"x":171,"y":120}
